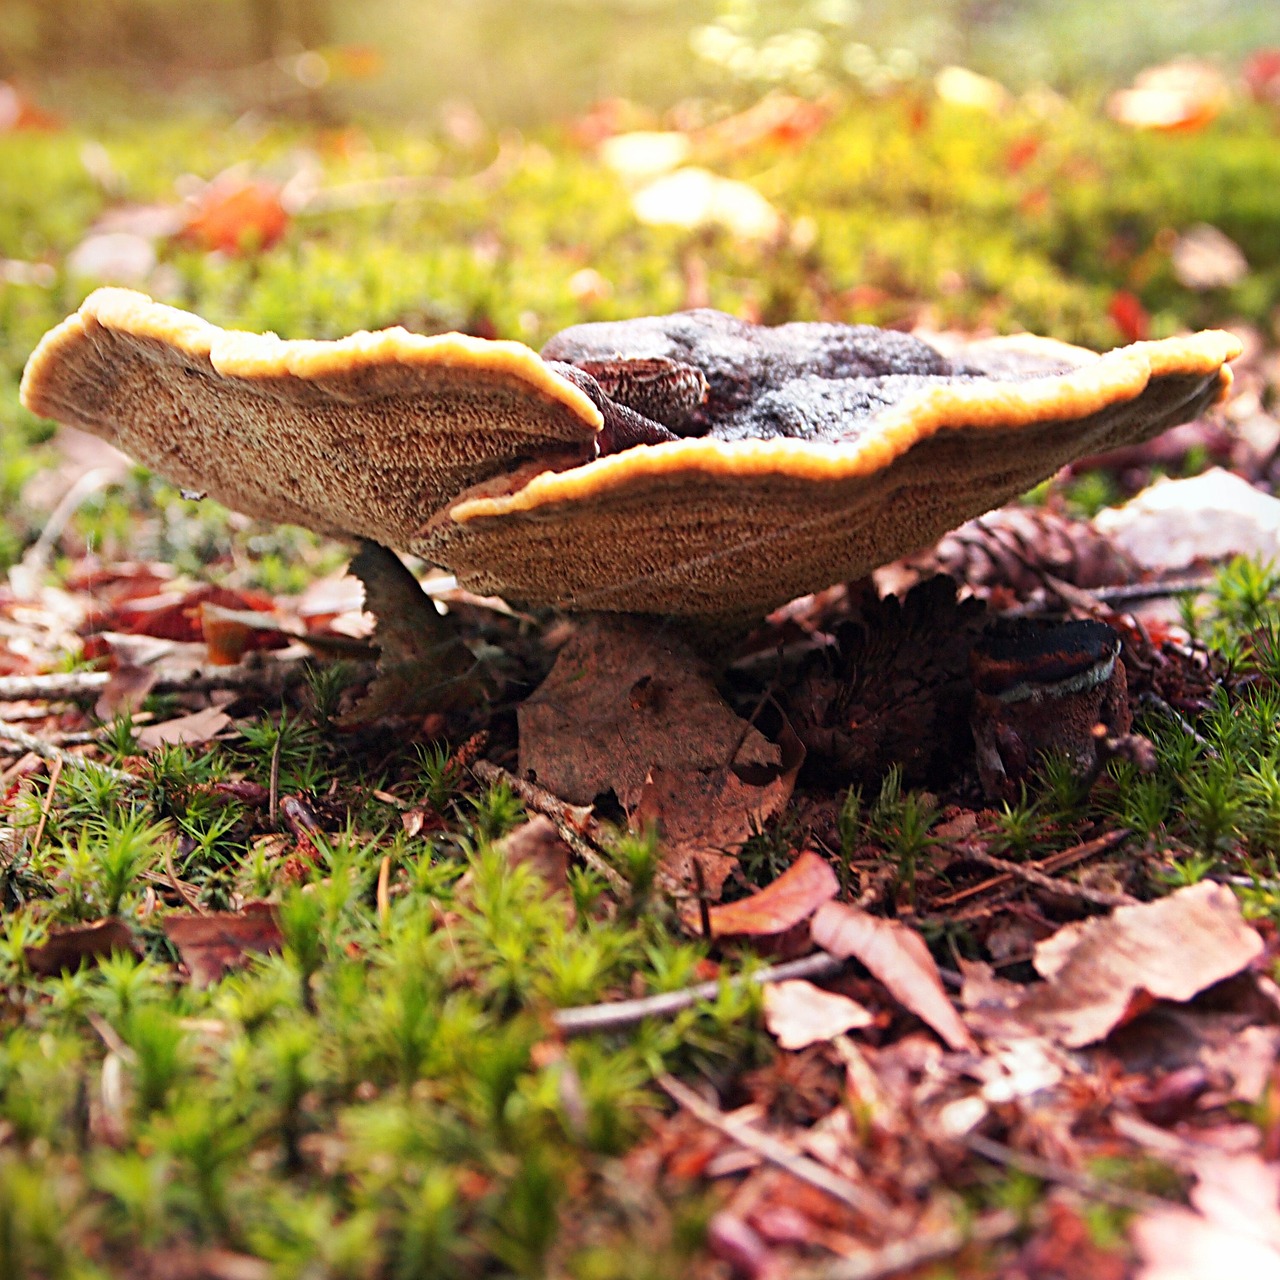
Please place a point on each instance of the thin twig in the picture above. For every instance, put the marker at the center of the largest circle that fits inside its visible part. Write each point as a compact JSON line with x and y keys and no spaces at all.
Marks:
{"x":566,"y":817}
{"x":85,"y":686}
{"x":55,"y":772}
{"x":273,"y":782}
{"x":184,"y":890}
{"x":1047,"y":1171}
{"x":47,"y":751}
{"x":918,"y":1251}
{"x":618,"y":1014}
{"x":1064,"y":888}
{"x":861,"y":1200}
{"x":1054,"y":862}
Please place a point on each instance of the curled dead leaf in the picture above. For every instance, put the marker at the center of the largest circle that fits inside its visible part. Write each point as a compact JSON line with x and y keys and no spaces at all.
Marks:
{"x":1101,"y":973}
{"x":899,"y":958}
{"x":791,"y":899}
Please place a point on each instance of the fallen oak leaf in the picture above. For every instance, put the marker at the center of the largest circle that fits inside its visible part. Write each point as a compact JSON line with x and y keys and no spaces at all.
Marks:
{"x":622,"y":703}
{"x":799,"y":1014}
{"x":791,"y":899}
{"x":899,"y":958}
{"x":199,"y":726}
{"x":212,"y":944}
{"x":1102,"y":973}
{"x":706,"y":815}
{"x":235,"y":216}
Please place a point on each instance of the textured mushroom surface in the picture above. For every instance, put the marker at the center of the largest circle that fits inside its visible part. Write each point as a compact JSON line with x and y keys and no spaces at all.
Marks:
{"x":366,"y":436}
{"x":745,"y":465}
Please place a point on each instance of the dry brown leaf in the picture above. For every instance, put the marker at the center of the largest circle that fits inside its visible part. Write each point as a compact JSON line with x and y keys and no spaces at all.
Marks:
{"x":899,"y":958}
{"x":793,"y":897}
{"x":799,"y":1014}
{"x":83,"y":945}
{"x":1173,"y":523}
{"x":1101,"y":973}
{"x":707,"y":815}
{"x":125,"y":691}
{"x":198,"y":727}
{"x":538,"y":844}
{"x":621,"y":701}
{"x":1234,"y":1229}
{"x":212,"y":944}
{"x":423,"y":665}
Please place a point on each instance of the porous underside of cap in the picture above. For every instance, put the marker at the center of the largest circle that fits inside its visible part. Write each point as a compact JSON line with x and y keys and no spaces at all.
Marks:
{"x":364,"y":436}
{"x":713,"y":528}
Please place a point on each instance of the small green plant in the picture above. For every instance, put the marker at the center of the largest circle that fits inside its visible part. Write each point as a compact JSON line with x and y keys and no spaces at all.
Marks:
{"x":494,"y":812}
{"x":901,"y":822}
{"x":439,"y":775}
{"x":637,"y":855}
{"x":301,"y":916}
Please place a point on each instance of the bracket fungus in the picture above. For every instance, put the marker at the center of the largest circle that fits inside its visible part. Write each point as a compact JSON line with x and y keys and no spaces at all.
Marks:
{"x":690,"y":465}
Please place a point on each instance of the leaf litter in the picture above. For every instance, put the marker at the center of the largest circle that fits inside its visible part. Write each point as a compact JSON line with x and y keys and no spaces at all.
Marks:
{"x":1047,"y":1075}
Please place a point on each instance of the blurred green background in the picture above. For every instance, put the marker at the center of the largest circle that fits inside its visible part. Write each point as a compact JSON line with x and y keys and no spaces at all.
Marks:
{"x":528,"y":61}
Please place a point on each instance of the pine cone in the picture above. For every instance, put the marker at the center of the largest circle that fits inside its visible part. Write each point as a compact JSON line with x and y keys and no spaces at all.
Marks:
{"x":894,"y":690}
{"x":1016,"y":547}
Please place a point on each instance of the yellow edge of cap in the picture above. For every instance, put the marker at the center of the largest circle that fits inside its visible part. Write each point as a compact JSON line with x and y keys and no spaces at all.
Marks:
{"x":1113,"y":378}
{"x":238,"y":354}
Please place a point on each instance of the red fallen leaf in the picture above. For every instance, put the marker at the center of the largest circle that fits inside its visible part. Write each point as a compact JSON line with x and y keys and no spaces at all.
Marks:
{"x":212,"y":944}
{"x":250,"y":793}
{"x":68,"y":949}
{"x":778,"y":119}
{"x":799,"y":1014}
{"x":236,"y":216}
{"x":1262,"y":75}
{"x":793,"y":897}
{"x":170,"y":617}
{"x":19,"y":113}
{"x":230,"y":633}
{"x":1129,"y":316}
{"x":1021,"y":152}
{"x":898,"y":957}
{"x":126,"y":580}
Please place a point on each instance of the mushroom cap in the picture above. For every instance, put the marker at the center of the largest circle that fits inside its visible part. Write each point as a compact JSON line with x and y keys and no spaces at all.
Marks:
{"x":366,"y":436}
{"x":819,"y":452}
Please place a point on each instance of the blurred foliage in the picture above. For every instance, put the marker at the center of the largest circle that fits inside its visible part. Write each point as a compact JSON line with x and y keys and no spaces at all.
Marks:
{"x":530,"y":61}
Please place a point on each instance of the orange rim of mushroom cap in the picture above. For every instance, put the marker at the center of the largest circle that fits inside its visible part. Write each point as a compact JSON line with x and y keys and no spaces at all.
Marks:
{"x":362,"y":436}
{"x":479,"y":456}
{"x":709,"y":527}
